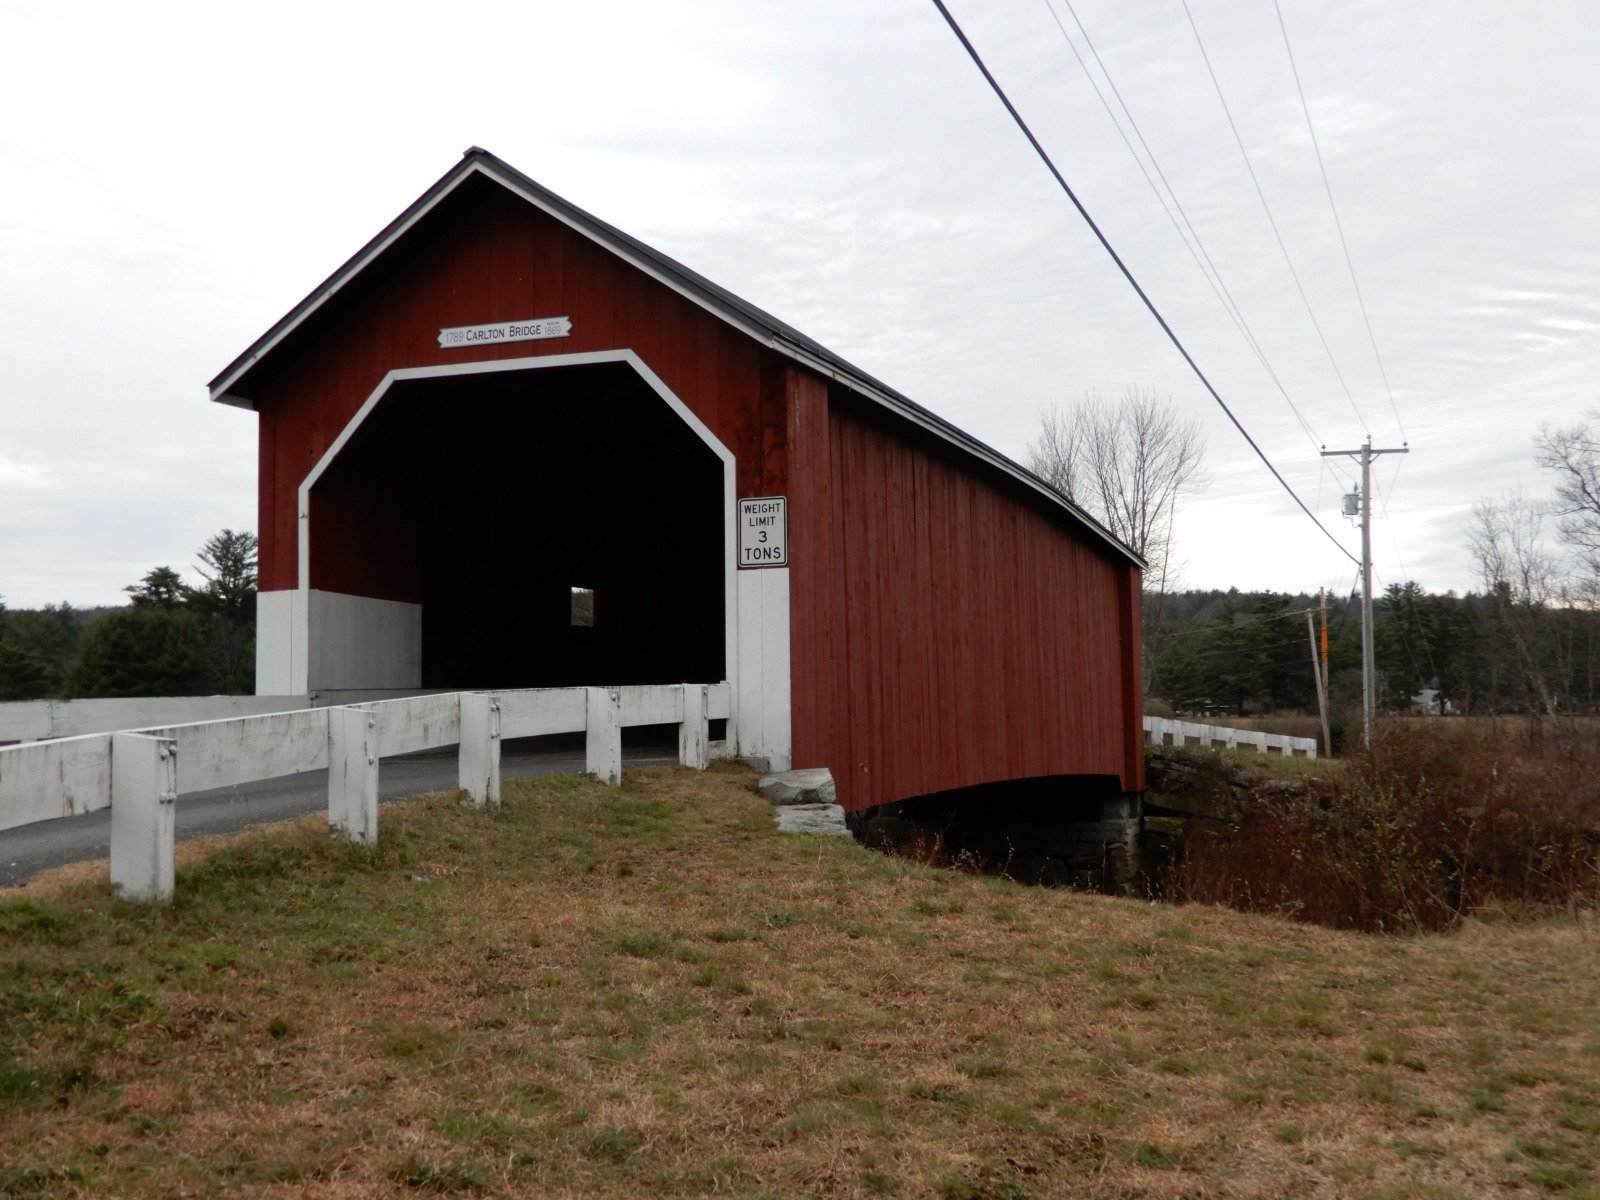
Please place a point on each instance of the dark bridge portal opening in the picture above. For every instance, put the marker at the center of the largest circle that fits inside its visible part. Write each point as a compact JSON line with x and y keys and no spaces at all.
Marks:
{"x":558,"y":526}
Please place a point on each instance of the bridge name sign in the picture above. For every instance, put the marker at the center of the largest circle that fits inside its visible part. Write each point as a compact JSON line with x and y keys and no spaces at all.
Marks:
{"x":534,"y":329}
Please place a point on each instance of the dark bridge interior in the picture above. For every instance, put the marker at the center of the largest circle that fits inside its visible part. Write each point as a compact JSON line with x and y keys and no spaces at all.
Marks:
{"x":559,"y":527}
{"x":1079,"y":829}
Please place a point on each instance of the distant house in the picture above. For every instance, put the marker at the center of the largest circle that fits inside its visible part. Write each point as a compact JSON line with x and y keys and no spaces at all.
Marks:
{"x":1429,"y":702}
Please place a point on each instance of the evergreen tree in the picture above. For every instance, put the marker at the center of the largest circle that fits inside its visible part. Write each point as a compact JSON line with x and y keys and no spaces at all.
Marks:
{"x":161,"y":587}
{"x":228,"y":604}
{"x":144,"y":650}
{"x":24,"y":675}
{"x":36,"y":647}
{"x":228,"y":564}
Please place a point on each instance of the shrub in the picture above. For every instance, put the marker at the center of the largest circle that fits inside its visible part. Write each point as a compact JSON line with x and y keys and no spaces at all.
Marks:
{"x":1438,"y":821}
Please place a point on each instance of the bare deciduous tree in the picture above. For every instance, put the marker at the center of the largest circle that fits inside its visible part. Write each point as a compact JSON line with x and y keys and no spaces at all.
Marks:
{"x":1573,"y":455}
{"x":1127,"y":460}
{"x":1521,"y":578}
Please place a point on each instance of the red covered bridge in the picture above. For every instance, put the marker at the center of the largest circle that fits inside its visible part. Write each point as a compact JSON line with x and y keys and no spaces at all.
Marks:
{"x":507,"y":445}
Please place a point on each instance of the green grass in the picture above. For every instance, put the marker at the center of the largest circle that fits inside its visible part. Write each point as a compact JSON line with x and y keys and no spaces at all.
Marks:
{"x":744,"y":1013}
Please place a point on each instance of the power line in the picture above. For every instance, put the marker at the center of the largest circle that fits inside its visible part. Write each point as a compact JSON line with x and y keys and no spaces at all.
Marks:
{"x":1271,"y":220}
{"x":1337,"y":223}
{"x":1384,"y":495}
{"x":1208,"y":269}
{"x":1049,"y":163}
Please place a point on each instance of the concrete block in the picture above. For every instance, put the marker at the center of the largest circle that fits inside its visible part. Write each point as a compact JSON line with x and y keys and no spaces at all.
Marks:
{"x":811,"y":786}
{"x":824,"y":819}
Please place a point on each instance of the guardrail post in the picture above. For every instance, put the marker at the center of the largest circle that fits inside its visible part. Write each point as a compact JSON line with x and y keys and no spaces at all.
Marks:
{"x":353,"y":774}
{"x":694,"y":733}
{"x":480,"y":748}
{"x":603,"y":744}
{"x":144,"y":799}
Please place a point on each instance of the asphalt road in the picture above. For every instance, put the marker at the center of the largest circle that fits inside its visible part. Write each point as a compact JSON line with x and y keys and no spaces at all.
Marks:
{"x":29,"y":849}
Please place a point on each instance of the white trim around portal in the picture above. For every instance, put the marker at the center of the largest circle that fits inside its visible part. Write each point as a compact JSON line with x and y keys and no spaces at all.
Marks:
{"x":730,"y":504}
{"x":493,"y":367}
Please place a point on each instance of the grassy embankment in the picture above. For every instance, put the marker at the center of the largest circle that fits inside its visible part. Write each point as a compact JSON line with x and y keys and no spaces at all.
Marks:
{"x":650,"y":992}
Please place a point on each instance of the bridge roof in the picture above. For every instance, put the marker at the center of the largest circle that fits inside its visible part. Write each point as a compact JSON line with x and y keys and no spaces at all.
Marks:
{"x":228,"y":386}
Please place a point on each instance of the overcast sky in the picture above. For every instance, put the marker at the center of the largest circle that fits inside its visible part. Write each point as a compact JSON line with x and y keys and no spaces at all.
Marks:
{"x":174,"y":177}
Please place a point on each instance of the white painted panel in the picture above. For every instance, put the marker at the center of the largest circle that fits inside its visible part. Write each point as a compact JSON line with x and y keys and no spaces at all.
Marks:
{"x":300,"y":642}
{"x":719,"y":702}
{"x":534,"y":712}
{"x":416,"y":723}
{"x":353,"y":774}
{"x":216,"y":754}
{"x":763,"y":696}
{"x":692,"y":735}
{"x":344,"y":697}
{"x":478,"y":765}
{"x":43,"y":780}
{"x":651,"y":703}
{"x":602,"y":756}
{"x":359,"y":642}
{"x":26,"y":720}
{"x":30,"y":720}
{"x":275,"y":640}
{"x":144,"y":792}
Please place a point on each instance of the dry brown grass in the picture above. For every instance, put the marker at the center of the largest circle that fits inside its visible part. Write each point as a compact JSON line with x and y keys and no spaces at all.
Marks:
{"x":650,"y":992}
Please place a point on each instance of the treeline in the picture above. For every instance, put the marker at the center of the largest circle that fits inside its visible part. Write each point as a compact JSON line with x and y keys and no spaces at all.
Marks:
{"x":173,"y":639}
{"x":1248,"y":652}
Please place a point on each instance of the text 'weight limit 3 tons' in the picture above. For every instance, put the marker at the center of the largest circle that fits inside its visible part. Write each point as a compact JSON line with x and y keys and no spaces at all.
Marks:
{"x":764,"y":531}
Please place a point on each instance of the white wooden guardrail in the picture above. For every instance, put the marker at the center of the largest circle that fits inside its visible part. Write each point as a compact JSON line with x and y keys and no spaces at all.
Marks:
{"x":37,"y":720}
{"x":139,"y":774}
{"x":1159,"y":731}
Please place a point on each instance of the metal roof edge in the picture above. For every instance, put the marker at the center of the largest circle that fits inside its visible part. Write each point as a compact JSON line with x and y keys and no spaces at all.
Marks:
{"x":962,"y":440}
{"x":346,"y":271}
{"x":747,"y":317}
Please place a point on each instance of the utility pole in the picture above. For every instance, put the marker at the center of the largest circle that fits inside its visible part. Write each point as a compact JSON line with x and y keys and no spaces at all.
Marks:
{"x":1322,"y":603}
{"x":1322,"y":698}
{"x":1319,"y":667}
{"x":1368,"y":675}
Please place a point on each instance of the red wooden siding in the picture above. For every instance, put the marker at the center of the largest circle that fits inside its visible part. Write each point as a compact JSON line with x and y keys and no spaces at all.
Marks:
{"x":815,"y":636}
{"x":485,"y":255}
{"x":947,"y":631}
